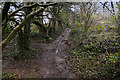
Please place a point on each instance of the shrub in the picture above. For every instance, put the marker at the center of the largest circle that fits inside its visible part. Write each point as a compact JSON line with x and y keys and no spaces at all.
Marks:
{"x":95,"y":56}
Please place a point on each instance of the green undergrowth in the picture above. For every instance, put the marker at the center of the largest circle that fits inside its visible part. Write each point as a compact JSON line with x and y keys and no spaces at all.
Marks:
{"x":95,"y":55}
{"x":36,"y":37}
{"x":25,"y":54}
{"x":9,"y":76}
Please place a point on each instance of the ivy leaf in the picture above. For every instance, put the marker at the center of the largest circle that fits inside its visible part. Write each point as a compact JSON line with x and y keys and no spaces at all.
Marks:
{"x":101,"y":28}
{"x":113,"y":27}
{"x":116,"y":43}
{"x":105,"y":27}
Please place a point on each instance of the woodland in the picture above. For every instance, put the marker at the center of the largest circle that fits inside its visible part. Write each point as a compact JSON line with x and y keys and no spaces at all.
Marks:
{"x":60,"y":40}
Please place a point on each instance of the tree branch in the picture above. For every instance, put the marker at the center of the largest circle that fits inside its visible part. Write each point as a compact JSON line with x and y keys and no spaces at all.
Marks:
{"x":28,"y":6}
{"x":107,"y":8}
{"x":16,"y":29}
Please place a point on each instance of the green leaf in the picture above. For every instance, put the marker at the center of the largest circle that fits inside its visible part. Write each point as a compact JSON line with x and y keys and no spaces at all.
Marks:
{"x":90,"y":27}
{"x":112,"y":27}
{"x":116,"y":43}
{"x":101,"y":28}
{"x":111,"y":59}
{"x":105,"y":27}
{"x":113,"y":18}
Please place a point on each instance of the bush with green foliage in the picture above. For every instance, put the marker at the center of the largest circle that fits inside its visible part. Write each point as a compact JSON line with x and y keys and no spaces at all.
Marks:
{"x":95,"y":55}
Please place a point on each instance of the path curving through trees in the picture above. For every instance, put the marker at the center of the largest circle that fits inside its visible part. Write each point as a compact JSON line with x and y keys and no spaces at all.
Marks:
{"x":50,"y":63}
{"x":53,"y":62}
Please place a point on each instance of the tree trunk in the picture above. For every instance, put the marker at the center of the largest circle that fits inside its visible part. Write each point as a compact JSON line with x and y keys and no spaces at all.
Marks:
{"x":5,"y":10}
{"x":119,"y":21}
{"x":17,"y":28}
{"x":20,"y":41}
{"x":54,"y":24}
{"x":4,"y":17}
{"x":3,"y":31}
{"x":24,"y":38}
{"x":27,"y":36}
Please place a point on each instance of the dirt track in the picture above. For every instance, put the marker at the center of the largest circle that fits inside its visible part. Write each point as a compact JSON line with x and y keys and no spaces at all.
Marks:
{"x":50,"y":63}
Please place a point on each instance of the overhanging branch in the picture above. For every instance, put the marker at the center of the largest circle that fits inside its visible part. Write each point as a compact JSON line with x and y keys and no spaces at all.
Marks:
{"x":29,"y":6}
{"x":17,"y":28}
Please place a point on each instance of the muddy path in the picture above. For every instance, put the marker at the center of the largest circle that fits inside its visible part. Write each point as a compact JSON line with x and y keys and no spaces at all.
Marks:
{"x":52,"y":62}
